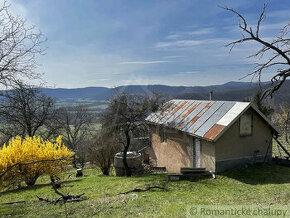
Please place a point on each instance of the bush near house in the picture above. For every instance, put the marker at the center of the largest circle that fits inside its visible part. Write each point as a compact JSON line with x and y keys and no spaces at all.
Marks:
{"x":31,"y":149}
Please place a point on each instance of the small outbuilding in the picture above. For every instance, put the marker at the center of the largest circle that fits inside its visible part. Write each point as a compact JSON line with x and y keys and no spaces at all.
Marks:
{"x":216,"y":135}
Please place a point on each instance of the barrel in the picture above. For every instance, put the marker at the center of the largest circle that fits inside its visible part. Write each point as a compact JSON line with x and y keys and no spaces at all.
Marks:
{"x":134,"y":161}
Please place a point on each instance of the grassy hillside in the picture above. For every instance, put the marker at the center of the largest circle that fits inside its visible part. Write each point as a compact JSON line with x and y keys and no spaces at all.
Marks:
{"x":259,"y":185}
{"x":92,"y":104}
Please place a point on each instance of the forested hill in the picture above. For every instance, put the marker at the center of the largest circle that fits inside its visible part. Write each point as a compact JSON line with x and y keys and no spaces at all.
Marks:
{"x":237,"y":91}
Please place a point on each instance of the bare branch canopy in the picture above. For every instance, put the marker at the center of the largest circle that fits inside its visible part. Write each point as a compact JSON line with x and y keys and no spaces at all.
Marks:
{"x":20,"y":44}
{"x":277,"y":51}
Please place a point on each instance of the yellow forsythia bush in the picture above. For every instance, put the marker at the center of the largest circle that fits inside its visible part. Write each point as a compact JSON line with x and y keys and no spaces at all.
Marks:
{"x":28,"y":150}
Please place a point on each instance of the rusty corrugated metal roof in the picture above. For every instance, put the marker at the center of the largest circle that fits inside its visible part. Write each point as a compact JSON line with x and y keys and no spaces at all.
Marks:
{"x":204,"y":119}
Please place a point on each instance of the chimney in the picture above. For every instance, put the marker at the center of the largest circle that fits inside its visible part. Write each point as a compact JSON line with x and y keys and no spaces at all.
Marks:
{"x":210,"y":95}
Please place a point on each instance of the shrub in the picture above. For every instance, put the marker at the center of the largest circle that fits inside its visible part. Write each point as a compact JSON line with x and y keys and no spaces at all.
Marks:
{"x":32,"y":149}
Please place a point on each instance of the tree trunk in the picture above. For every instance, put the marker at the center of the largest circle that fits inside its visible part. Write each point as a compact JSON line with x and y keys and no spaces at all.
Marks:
{"x":105,"y":171}
{"x":286,"y":127}
{"x":31,"y":181}
{"x":126,"y":167}
{"x":74,"y":162}
{"x":106,"y":168}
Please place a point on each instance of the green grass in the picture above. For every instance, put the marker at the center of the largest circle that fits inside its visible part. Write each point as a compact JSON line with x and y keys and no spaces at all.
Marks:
{"x":259,"y":185}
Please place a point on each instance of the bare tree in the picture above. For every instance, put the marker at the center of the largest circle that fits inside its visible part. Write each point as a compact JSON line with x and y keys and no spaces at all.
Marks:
{"x":277,"y":50}
{"x":102,"y":151}
{"x":125,"y":116}
{"x":281,"y":118}
{"x":19,"y":46}
{"x":76,"y":123}
{"x":25,"y":111}
{"x":285,"y":115}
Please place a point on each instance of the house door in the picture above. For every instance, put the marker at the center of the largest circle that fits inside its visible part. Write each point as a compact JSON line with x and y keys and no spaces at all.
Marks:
{"x":196,"y":153}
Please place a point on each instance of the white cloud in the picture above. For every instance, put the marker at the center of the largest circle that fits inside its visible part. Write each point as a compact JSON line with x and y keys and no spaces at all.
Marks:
{"x":143,"y":62}
{"x":179,"y":43}
{"x":273,"y":26}
{"x":279,"y":14}
{"x":191,"y":43}
{"x":173,"y":36}
{"x":203,"y":31}
{"x":190,"y":72}
{"x":179,"y":35}
{"x":173,"y":56}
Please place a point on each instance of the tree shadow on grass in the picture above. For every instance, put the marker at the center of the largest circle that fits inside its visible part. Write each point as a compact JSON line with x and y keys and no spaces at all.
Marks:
{"x":260,"y":174}
{"x":37,"y":186}
{"x":254,"y":175}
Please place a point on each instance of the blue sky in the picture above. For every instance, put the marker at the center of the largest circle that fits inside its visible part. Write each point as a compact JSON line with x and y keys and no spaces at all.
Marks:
{"x":111,"y":42}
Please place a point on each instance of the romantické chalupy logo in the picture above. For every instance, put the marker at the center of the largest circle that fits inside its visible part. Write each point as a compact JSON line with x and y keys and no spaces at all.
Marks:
{"x":238,"y":211}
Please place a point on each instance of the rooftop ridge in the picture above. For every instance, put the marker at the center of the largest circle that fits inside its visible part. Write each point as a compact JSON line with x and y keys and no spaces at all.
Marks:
{"x":177,"y":99}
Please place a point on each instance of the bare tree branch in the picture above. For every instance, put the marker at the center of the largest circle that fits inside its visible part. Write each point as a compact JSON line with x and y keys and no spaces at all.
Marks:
{"x":24,"y":110}
{"x":20,"y":44}
{"x":77,"y":123}
{"x":145,"y":189}
{"x":262,"y":16}
{"x":277,"y":49}
{"x":65,"y":198}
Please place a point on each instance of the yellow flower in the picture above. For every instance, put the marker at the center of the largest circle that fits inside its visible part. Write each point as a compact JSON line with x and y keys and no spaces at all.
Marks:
{"x":31,"y":149}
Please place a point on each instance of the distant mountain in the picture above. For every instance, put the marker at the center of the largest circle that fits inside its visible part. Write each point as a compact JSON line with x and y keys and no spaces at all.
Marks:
{"x":98,"y":93}
{"x":236,"y":91}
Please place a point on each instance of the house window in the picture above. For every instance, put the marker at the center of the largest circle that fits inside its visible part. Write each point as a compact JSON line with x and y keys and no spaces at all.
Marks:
{"x":246,"y":125}
{"x":163,"y":136}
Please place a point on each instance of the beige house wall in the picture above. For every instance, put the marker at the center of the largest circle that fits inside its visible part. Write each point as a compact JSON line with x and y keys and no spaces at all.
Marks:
{"x":233,"y":149}
{"x":232,"y":145}
{"x":175,"y":153}
{"x":208,"y":155}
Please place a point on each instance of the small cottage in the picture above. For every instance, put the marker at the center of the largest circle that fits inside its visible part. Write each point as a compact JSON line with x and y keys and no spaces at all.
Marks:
{"x":216,"y":135}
